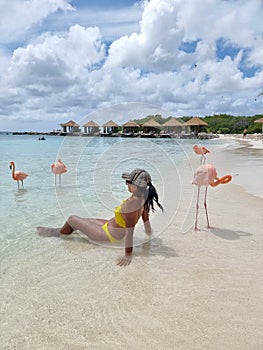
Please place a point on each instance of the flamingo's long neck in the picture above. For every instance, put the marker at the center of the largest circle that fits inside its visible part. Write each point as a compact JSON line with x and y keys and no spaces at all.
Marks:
{"x":13,"y":171}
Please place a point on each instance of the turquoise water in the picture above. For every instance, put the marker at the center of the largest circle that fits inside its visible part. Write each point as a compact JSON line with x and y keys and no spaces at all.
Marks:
{"x":92,"y":186}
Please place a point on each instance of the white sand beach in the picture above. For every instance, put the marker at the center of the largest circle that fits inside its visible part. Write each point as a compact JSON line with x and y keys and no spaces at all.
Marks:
{"x":250,"y":140}
{"x":185,"y":289}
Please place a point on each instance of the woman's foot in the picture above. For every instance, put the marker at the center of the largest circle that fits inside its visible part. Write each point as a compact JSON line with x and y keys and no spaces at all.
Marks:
{"x":48,"y":231}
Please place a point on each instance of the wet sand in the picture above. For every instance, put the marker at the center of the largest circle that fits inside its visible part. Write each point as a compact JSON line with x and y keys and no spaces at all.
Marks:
{"x":185,"y":289}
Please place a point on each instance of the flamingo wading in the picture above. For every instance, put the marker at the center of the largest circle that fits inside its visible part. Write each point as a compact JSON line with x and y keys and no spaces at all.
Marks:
{"x":18,"y":175}
{"x":58,"y":169}
{"x":206,"y":175}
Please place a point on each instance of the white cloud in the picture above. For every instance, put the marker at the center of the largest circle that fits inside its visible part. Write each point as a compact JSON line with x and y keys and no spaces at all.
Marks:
{"x":65,"y":75}
{"x":156,"y":46}
{"x":57,"y":60}
{"x":18,"y":16}
{"x":113,"y":23}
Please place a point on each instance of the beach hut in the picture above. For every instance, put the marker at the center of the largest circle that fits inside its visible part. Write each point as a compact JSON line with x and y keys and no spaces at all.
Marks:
{"x":91,"y":128}
{"x":109,"y":128}
{"x":259,"y":121}
{"x":150,"y":128}
{"x":196,"y":123}
{"x":70,"y":127}
{"x":172,"y":126}
{"x":131,"y":128}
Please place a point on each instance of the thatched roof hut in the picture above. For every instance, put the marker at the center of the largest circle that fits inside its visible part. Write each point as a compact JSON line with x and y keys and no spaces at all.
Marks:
{"x":150,"y":128}
{"x":131,"y":127}
{"x":92,"y":124}
{"x":70,"y":126}
{"x":110,"y":124}
{"x":110,"y":127}
{"x":131,"y":124}
{"x":70,"y":123}
{"x":259,"y":121}
{"x":151,"y":123}
{"x":173,"y":122}
{"x":91,"y":127}
{"x":196,"y":123}
{"x":172,"y":126}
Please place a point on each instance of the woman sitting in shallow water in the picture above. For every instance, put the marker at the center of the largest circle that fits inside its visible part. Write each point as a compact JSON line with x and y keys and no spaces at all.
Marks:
{"x":125,"y":219}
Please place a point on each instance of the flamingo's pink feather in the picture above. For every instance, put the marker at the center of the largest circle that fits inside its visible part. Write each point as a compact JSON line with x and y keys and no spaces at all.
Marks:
{"x":20,"y":175}
{"x":59,"y":167}
{"x":204,"y":175}
{"x":201,"y":150}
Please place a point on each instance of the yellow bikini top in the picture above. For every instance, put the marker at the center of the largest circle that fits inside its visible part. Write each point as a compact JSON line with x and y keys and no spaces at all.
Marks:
{"x":118,"y":215}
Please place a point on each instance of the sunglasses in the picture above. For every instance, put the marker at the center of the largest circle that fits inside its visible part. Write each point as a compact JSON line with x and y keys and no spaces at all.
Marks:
{"x":134,"y":177}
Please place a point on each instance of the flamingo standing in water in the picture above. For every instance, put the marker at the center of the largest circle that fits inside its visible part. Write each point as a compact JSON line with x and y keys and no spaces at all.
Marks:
{"x":18,"y":175}
{"x":206,"y":175}
{"x":58,"y":169}
{"x":201,"y":150}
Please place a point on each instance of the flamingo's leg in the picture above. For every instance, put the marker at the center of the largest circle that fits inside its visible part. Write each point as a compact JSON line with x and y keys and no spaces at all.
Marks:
{"x":22,"y":183}
{"x":18,"y":184}
{"x":205,"y":205}
{"x":203,"y":159}
{"x":59,"y":179}
{"x":197,"y":207}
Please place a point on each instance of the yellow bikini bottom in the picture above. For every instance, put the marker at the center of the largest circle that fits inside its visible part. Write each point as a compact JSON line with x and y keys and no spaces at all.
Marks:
{"x":106,"y":230}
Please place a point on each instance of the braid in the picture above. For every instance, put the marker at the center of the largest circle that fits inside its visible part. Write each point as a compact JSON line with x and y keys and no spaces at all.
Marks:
{"x":151,"y":198}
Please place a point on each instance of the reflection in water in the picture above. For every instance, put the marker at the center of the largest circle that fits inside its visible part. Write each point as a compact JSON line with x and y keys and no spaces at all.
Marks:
{"x":19,"y":195}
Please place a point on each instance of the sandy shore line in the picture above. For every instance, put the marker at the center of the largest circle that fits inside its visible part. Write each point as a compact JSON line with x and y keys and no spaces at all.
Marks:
{"x":253,"y":141}
{"x":183,"y":290}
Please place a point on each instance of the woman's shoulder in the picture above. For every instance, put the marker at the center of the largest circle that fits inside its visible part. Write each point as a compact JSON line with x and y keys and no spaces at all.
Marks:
{"x":132,"y":203}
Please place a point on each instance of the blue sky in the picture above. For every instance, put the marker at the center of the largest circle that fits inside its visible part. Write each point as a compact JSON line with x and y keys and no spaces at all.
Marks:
{"x":62,"y":60}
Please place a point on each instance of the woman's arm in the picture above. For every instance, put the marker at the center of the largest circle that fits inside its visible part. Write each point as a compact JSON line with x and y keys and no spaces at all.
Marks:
{"x":127,"y":258}
{"x":146,"y":222}
{"x":131,"y":214}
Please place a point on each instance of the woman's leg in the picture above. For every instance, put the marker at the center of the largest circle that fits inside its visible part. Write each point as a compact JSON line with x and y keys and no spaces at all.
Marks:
{"x":90,"y":227}
{"x":66,"y":229}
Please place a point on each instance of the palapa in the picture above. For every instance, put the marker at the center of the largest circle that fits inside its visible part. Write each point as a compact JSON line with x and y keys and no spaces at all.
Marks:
{"x":195,"y":121}
{"x":259,"y":121}
{"x":91,"y":124}
{"x":131,"y":124}
{"x":173,"y":122}
{"x":70,"y":123}
{"x":151,"y":124}
{"x":110,"y":124}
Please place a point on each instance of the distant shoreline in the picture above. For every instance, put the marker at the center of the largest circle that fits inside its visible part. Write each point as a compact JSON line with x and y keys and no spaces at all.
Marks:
{"x":200,"y":136}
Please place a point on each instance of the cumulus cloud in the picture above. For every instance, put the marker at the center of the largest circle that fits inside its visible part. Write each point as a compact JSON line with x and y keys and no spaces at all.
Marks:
{"x":56,"y":61}
{"x":191,"y":57}
{"x":17,"y":17}
{"x":155,"y":47}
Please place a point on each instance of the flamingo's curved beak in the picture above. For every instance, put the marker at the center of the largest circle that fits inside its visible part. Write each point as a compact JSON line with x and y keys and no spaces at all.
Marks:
{"x":10,"y":167}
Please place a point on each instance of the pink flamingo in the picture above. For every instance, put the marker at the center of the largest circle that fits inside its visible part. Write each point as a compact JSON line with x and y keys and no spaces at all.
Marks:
{"x":206,"y":175}
{"x":58,"y":169}
{"x":201,"y":150}
{"x":18,"y":175}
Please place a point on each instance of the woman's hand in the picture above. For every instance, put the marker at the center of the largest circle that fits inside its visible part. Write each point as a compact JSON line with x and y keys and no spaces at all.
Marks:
{"x":124,"y":260}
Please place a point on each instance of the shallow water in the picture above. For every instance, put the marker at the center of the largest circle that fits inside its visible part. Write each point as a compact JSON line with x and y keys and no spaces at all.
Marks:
{"x":93,"y":186}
